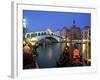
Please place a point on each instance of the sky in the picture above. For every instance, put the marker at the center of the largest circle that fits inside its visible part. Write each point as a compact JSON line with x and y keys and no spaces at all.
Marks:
{"x":42,"y":20}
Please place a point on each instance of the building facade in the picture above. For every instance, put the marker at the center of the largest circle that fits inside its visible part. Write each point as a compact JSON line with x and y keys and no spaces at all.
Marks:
{"x":63,"y":32}
{"x":74,"y":33}
{"x":86,"y":33}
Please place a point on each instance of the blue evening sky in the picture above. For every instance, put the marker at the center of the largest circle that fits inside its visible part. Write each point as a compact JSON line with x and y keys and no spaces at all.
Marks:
{"x":41,"y":20}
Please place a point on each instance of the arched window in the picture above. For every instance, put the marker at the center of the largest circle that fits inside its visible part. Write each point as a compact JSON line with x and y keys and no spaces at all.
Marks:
{"x":33,"y":35}
{"x":39,"y":34}
{"x":44,"y":33}
{"x":28,"y":35}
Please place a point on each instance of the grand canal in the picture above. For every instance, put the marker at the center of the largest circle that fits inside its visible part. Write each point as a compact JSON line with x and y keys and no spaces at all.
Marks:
{"x":49,"y":54}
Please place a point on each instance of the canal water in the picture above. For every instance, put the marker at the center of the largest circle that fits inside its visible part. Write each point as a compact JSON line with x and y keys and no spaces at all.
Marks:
{"x":49,"y":54}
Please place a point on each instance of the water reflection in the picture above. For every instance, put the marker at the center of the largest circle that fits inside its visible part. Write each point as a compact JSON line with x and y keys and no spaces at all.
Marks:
{"x":83,"y":51}
{"x":49,"y":53}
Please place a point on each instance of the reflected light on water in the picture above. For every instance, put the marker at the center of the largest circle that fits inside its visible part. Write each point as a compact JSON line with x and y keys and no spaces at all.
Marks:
{"x":49,"y":53}
{"x":83,"y":50}
{"x":62,"y":46}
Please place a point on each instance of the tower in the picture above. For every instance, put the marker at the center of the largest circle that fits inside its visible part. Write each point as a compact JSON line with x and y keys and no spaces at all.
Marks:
{"x":74,"y":23}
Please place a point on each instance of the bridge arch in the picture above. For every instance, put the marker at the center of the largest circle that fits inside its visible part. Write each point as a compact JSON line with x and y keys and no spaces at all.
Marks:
{"x":43,"y":35}
{"x":50,"y":37}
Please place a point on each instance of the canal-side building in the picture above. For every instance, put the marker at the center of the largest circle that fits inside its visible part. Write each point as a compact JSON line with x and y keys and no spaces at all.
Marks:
{"x":68,"y":35}
{"x":74,"y":33}
{"x":63,"y":33}
{"x":57,"y":33}
{"x":86,"y":37}
{"x":86,"y":33}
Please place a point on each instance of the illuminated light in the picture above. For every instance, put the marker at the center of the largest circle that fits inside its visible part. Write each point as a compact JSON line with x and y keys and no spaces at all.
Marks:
{"x":33,"y":41}
{"x":64,"y":39}
{"x":84,"y":40}
{"x":24,"y":23}
{"x":83,"y":47}
{"x":24,"y":20}
{"x":83,"y":50}
{"x":68,"y":44}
